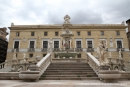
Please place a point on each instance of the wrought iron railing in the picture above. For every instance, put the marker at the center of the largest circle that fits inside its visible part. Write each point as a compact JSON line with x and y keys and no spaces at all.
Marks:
{"x":78,"y":49}
{"x":90,"y":49}
{"x":122,"y":49}
{"x":31,"y":49}
{"x":44,"y":49}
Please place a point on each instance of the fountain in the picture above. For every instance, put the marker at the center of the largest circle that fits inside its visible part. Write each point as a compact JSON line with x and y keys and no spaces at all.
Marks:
{"x":66,"y":35}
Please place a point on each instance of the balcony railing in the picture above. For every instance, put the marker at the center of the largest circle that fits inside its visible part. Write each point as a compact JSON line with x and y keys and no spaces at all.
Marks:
{"x":78,"y":49}
{"x":56,"y":49}
{"x":17,"y":49}
{"x":31,"y":49}
{"x":90,"y":49}
{"x":44,"y":49}
{"x":118,"y":49}
{"x":69,"y":50}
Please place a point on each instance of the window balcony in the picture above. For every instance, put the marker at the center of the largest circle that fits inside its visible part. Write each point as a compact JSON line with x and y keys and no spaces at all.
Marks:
{"x":56,"y":49}
{"x":17,"y":49}
{"x":78,"y":49}
{"x":122,"y":49}
{"x":69,"y":50}
{"x":90,"y":49}
{"x":44,"y":49}
{"x":31,"y":49}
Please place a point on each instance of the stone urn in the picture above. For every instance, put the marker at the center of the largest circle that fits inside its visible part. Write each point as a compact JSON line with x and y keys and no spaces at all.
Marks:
{"x":109,"y":75}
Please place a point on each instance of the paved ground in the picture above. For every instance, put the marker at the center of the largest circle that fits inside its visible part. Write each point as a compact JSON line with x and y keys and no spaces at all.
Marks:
{"x":63,"y":83}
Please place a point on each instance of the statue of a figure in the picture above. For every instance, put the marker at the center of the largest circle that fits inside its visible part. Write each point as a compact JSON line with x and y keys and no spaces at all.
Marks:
{"x":101,"y":50}
{"x":14,"y":55}
{"x":120,"y":54}
{"x":50,"y":45}
{"x":67,"y":19}
{"x":66,"y":43}
{"x":38,"y":42}
{"x":24,"y":55}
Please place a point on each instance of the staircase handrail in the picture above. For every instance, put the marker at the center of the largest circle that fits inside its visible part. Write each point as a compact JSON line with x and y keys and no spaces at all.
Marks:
{"x":93,"y":62}
{"x":44,"y":63}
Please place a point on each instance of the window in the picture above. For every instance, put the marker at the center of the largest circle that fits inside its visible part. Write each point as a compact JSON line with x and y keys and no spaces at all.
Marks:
{"x":44,"y":55}
{"x":32,"y":33}
{"x":45,"y":44}
{"x":16,"y":44}
{"x":17,"y":33}
{"x":31,"y":44}
{"x":79,"y":55}
{"x":119,"y":44}
{"x":89,"y":33}
{"x":102,"y":33}
{"x":45,"y":33}
{"x":117,"y":33}
{"x":56,"y":44}
{"x":89,"y":44}
{"x":30,"y":55}
{"x":56,"y":34}
{"x":78,"y":33}
{"x":78,"y":44}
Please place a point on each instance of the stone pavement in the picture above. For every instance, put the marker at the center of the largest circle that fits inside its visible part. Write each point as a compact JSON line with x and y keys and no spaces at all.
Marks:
{"x":63,"y":83}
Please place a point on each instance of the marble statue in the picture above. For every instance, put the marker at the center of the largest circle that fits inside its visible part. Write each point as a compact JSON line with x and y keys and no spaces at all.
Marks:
{"x":14,"y":55}
{"x":50,"y":45}
{"x":120,"y":54}
{"x":38,"y":42}
{"x":67,"y":19}
{"x":101,"y":50}
{"x":24,"y":56}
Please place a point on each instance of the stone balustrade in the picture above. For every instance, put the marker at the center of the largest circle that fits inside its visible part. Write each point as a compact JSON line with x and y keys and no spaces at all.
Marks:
{"x":93,"y":62}
{"x":35,"y":71}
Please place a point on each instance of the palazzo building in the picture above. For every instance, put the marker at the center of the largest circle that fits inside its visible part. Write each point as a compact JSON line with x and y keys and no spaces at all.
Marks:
{"x":3,"y":44}
{"x":33,"y":39}
{"x":128,"y":33}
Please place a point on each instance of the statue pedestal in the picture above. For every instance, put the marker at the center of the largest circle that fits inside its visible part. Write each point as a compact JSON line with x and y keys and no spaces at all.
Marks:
{"x":104,"y":67}
{"x":109,"y":75}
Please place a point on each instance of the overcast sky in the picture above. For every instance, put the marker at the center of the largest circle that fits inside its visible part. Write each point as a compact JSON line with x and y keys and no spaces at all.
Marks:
{"x":53,"y":11}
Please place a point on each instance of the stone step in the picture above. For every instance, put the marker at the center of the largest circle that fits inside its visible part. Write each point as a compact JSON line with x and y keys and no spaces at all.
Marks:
{"x":69,"y":73}
{"x":69,"y":66}
{"x":81,"y":75}
{"x":69,"y":78}
{"x":68,"y":70}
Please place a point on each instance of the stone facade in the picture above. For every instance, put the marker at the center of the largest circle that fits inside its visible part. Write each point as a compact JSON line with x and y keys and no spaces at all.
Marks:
{"x":3,"y":44}
{"x":128,"y":33}
{"x":86,"y":38}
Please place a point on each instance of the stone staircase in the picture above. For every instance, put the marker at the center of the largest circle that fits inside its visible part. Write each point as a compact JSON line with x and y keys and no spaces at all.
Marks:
{"x":69,"y":71}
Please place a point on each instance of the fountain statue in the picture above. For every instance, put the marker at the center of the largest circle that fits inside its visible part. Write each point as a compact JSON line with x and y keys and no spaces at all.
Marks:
{"x":50,"y":45}
{"x":67,"y":19}
{"x":120,"y":54}
{"x":101,"y":50}
{"x":67,"y":36}
{"x":14,"y":54}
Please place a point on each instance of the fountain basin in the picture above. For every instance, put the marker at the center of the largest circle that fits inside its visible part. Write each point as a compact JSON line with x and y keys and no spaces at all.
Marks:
{"x":67,"y":55}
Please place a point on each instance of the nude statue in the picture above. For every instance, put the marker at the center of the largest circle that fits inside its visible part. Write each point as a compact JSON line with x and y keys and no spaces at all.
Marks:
{"x":50,"y":45}
{"x":101,"y":50}
{"x":67,"y":19}
{"x":14,"y":55}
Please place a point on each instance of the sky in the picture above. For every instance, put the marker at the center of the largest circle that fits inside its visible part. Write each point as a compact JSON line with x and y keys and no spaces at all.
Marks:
{"x":25,"y":12}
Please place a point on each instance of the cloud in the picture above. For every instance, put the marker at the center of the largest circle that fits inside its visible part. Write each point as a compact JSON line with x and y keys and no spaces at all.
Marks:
{"x":53,"y":11}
